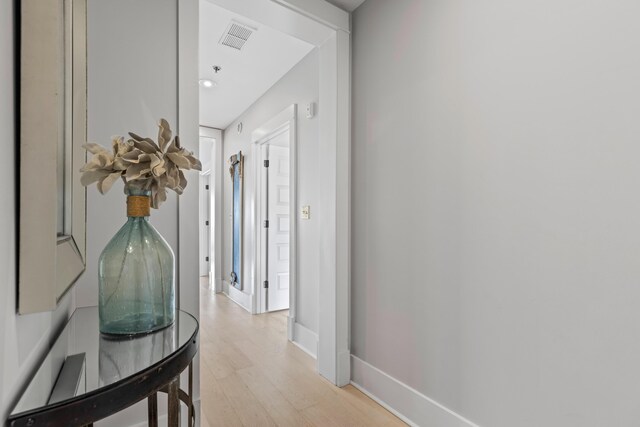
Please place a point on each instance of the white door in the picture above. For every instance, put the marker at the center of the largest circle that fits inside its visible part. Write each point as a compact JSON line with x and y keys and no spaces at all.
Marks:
{"x":205,"y":225}
{"x":205,"y":218}
{"x":277,"y":204}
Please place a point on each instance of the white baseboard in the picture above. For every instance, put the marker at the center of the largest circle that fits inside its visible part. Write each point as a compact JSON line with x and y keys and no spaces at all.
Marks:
{"x":243,"y":300}
{"x":162,"y":420}
{"x":305,"y":339}
{"x":344,"y":368}
{"x":408,"y":404}
{"x":291,"y":323}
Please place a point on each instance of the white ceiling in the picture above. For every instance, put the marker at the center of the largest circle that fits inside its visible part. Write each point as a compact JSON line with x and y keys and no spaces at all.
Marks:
{"x":348,"y":5}
{"x":247,"y":74}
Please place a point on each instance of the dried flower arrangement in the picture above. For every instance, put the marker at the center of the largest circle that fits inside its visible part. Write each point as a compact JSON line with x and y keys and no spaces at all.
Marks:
{"x":142,"y":164}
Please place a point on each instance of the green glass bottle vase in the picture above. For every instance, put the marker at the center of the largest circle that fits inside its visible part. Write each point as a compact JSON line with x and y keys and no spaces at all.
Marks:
{"x":136,"y":275}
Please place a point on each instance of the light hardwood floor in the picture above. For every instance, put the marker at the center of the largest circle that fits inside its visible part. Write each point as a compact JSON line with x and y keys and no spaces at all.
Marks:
{"x":252,"y":376}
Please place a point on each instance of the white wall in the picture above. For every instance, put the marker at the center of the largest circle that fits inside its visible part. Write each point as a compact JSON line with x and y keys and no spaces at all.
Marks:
{"x":495,"y":206}
{"x":23,"y":339}
{"x":299,"y":86}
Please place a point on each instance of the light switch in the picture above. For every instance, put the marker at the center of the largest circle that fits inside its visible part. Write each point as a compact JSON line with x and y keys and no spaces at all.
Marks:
{"x":306,"y":212}
{"x":310,"y":110}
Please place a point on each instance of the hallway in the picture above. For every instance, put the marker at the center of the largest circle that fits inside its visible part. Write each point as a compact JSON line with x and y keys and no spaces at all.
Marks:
{"x":252,"y":376}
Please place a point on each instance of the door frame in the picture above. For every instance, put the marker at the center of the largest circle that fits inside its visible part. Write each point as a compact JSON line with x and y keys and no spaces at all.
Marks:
{"x":328,"y":28}
{"x":286,"y":119}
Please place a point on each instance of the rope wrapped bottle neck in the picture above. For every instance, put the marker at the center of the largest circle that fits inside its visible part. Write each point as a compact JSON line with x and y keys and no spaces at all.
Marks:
{"x":138,"y":206}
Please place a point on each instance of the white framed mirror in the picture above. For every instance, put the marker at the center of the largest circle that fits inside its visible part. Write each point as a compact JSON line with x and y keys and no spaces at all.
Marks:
{"x":53,"y":122}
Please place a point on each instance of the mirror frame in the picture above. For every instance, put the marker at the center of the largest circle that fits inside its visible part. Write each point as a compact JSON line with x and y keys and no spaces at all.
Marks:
{"x":236,"y":166}
{"x":50,"y":264}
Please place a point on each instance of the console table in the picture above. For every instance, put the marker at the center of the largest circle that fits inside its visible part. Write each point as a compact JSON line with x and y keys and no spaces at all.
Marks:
{"x":107,"y":375}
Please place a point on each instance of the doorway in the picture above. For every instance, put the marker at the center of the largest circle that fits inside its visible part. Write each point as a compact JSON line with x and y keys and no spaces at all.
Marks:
{"x":205,"y":225}
{"x":274,"y":196}
{"x":209,"y":227}
{"x":327,"y":28}
{"x":205,"y":216}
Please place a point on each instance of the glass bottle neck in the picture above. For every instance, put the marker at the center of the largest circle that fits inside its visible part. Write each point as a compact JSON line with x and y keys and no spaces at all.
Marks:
{"x":137,"y":218}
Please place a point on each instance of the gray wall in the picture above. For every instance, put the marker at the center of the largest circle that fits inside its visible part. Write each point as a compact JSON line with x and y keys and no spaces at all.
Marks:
{"x":132,"y":83}
{"x":496,"y":233}
{"x":299,"y":86}
{"x":23,"y":339}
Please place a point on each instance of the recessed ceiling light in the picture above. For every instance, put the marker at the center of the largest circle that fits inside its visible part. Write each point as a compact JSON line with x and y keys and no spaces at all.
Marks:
{"x":207,"y":83}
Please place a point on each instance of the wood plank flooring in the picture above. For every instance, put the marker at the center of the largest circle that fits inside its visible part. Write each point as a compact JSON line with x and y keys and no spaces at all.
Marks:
{"x":252,"y":376}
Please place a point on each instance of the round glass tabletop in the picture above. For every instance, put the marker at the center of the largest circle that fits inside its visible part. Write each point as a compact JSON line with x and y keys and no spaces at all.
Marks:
{"x":102,"y":361}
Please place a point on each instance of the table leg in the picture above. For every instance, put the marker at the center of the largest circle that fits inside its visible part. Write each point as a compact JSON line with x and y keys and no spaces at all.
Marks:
{"x":153,"y":410}
{"x":173,"y":402}
{"x":192,"y":421}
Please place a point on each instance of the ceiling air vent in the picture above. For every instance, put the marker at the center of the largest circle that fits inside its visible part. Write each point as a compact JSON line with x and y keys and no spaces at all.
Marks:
{"x":236,"y":35}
